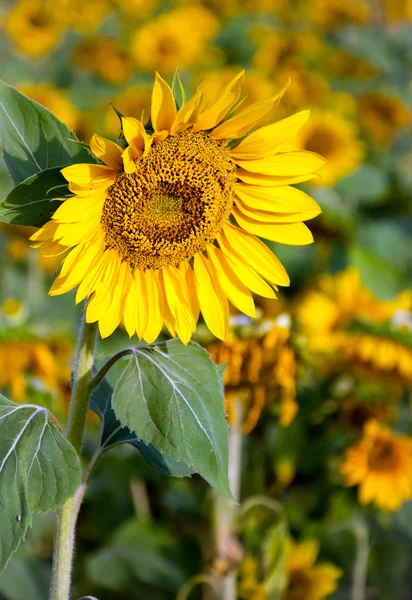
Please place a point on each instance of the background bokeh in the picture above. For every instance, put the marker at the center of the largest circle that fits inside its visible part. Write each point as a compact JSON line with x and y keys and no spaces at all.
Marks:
{"x":320,"y":384}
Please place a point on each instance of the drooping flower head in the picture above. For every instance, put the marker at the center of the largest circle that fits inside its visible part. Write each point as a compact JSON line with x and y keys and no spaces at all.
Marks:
{"x":381,"y":465}
{"x":167,"y":226}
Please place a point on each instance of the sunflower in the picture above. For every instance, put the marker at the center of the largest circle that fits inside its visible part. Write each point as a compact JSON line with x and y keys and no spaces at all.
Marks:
{"x":152,"y":233}
{"x":337,"y":140}
{"x":35,"y":26}
{"x":307,"y":581}
{"x":381,"y":464}
{"x":382,"y":116}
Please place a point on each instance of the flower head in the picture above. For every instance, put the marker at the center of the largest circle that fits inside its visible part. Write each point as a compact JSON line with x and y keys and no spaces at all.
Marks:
{"x":381,"y":464}
{"x":152,"y":233}
{"x":307,"y":581}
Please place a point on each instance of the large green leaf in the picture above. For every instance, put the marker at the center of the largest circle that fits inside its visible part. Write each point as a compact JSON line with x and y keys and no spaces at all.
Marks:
{"x":39,"y":470}
{"x":171,"y":396}
{"x":32,"y":138}
{"x":32,"y":202}
{"x":113,"y":433}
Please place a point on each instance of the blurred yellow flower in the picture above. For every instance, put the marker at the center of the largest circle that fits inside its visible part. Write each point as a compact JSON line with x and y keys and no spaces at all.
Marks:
{"x":134,"y":101}
{"x":35,"y":26}
{"x":106,"y":57}
{"x":381,"y":465}
{"x":382,"y":116}
{"x":338,"y":63}
{"x":134,"y":258}
{"x":306,"y":580}
{"x":287,"y":50}
{"x":331,"y":14}
{"x":249,"y":586}
{"x":178,"y":37}
{"x":337,"y":140}
{"x":259,"y":367}
{"x":54,"y":99}
{"x":86,"y":17}
{"x":138,"y":9}
{"x":397,"y":11}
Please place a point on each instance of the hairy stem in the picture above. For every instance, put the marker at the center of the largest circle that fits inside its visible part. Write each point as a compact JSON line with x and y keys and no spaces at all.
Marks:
{"x":67,"y":514}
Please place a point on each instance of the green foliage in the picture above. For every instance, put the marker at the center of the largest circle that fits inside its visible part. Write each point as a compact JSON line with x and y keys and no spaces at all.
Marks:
{"x":138,"y":551}
{"x":113,"y":433}
{"x":171,"y":396}
{"x":34,"y":142}
{"x":39,"y":470}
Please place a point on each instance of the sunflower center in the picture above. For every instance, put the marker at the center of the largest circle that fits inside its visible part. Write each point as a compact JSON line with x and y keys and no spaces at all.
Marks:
{"x":382,"y":456}
{"x":299,"y":586}
{"x":174,"y":205}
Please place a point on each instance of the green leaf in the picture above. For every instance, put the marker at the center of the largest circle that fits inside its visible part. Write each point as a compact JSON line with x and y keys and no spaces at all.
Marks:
{"x":39,"y":470}
{"x":113,"y":433}
{"x":32,"y":138}
{"x":31,"y":202}
{"x":140,"y":551}
{"x":171,"y":396}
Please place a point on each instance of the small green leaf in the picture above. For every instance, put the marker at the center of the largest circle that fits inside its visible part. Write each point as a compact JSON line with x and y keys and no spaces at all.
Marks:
{"x":113,"y":433}
{"x":32,"y":202}
{"x":32,"y":138}
{"x":171,"y":396}
{"x":39,"y":470}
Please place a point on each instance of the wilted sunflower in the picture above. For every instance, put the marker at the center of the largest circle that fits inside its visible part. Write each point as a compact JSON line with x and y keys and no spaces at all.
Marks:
{"x":381,"y":464}
{"x":152,"y":232}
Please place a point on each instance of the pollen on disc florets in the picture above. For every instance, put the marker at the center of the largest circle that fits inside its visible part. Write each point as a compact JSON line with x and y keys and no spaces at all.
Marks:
{"x":174,"y":205}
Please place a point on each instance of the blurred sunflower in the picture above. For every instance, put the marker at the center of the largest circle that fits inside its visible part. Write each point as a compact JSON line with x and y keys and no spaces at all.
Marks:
{"x":138,"y":9}
{"x":54,"y":99}
{"x":382,"y":116}
{"x":337,"y":140}
{"x":87,"y":16}
{"x":307,"y":581}
{"x":139,"y":226}
{"x":331,"y":14}
{"x":260,"y":365}
{"x":35,"y":26}
{"x":381,"y":464}
{"x":179,"y":36}
{"x":106,"y":57}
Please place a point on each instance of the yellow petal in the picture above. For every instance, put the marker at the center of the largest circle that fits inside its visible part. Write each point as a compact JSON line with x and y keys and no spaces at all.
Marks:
{"x":269,"y":216}
{"x":258,"y":256}
{"x":187,"y":114}
{"x":280,"y":199}
{"x":240,"y":124}
{"x":267,"y":140}
{"x":228,"y":97}
{"x":246,"y":274}
{"x":88,"y":283}
{"x":212,"y":300}
{"x":191,"y":286}
{"x":296,"y":234}
{"x":76,"y":209}
{"x":89,"y":175}
{"x":129,"y":155}
{"x":237,"y":293}
{"x":107,"y":151}
{"x":155,"y":320}
{"x":114,"y":301}
{"x":140,"y":307}
{"x":163,"y":106}
{"x":286,"y":164}
{"x":177,"y":297}
{"x":45,"y":233}
{"x":136,"y":135}
{"x":262,"y":180}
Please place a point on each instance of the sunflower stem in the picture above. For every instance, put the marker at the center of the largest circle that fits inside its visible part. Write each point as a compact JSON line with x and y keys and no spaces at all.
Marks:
{"x":227,"y":550}
{"x":360,"y":568}
{"x":67,"y":514}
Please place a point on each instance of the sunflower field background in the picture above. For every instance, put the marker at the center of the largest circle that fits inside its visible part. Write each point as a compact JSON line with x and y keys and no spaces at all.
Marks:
{"x":318,"y":388}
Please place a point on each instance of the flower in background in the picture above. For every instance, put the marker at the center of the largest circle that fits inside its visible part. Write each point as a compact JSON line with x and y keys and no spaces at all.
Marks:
{"x":154,"y":245}
{"x":382,"y":116}
{"x":170,"y":39}
{"x":134,"y":101}
{"x":54,"y":99}
{"x":381,"y":465}
{"x":337,"y":140}
{"x":398,"y":11}
{"x":35,"y":26}
{"x":18,"y":247}
{"x":249,"y":586}
{"x":260,"y":366}
{"x":106,"y":57}
{"x":138,"y":9}
{"x":307,"y":580}
{"x":332,"y":14}
{"x":86,"y":17}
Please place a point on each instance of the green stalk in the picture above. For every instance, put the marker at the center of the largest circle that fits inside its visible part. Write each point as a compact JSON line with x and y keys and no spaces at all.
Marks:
{"x":67,"y":514}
